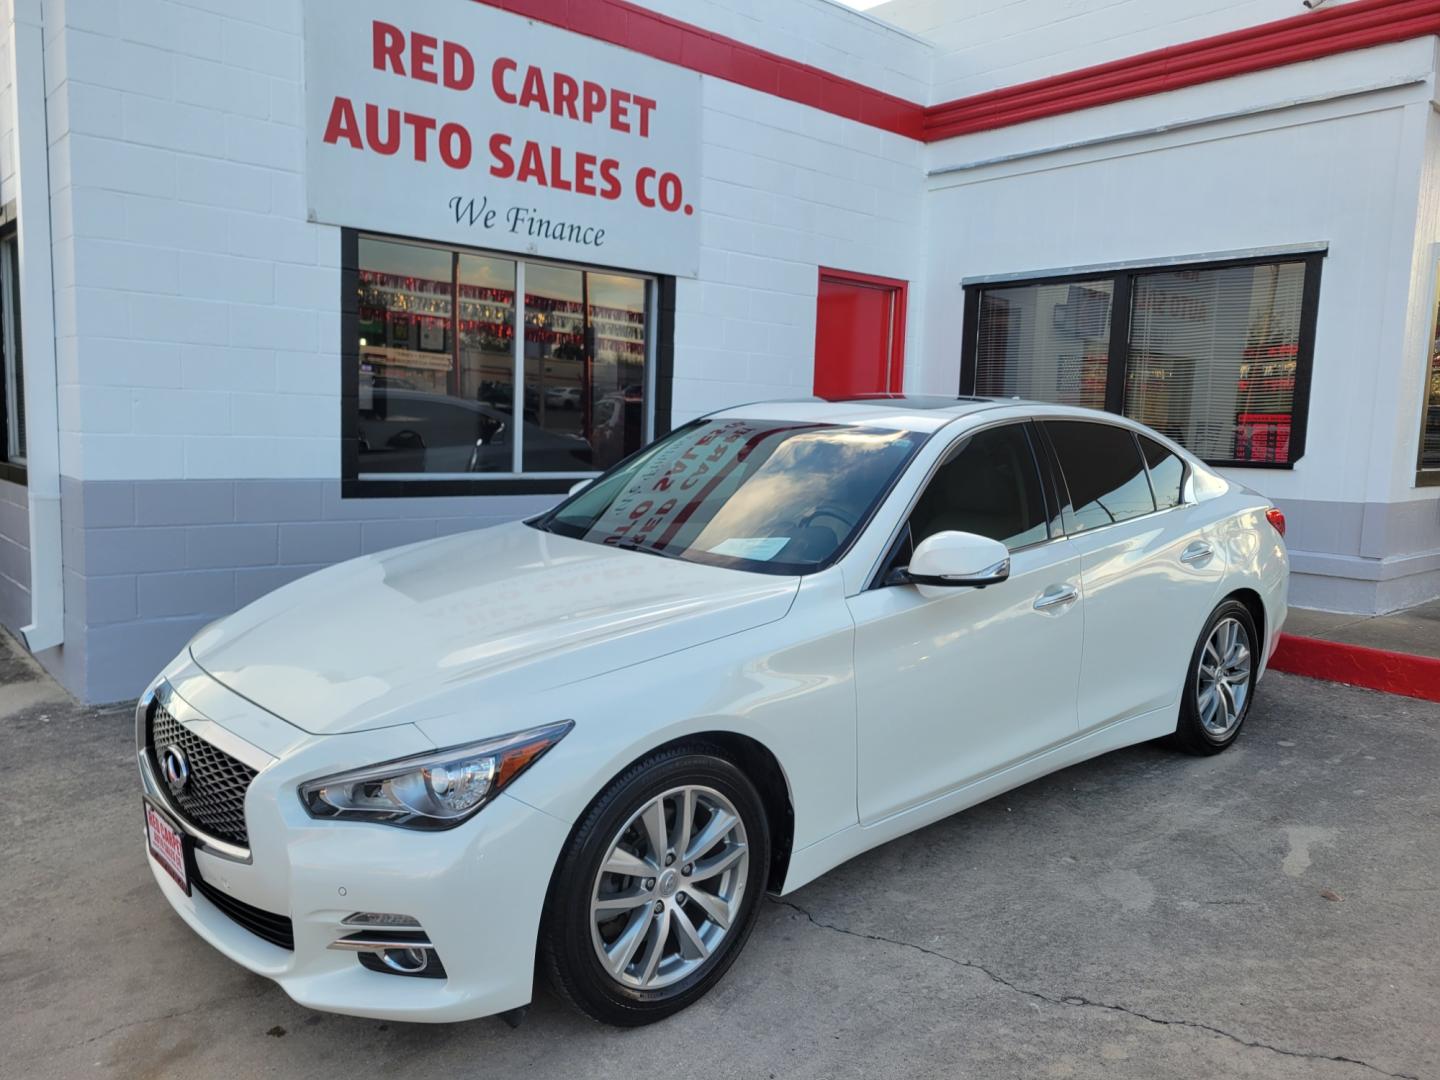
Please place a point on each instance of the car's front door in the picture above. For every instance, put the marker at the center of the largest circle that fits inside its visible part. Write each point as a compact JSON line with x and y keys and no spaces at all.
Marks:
{"x":956,"y":683}
{"x":1152,"y":567}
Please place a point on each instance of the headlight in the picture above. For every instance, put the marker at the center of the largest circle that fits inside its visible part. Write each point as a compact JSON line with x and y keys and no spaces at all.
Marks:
{"x":437,"y":790}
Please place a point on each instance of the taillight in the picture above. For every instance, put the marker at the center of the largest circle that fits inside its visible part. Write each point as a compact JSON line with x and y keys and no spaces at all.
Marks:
{"x":1276,"y":518}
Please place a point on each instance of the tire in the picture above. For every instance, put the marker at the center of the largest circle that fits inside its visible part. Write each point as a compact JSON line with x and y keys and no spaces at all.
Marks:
{"x":1212,"y":710}
{"x":591,"y":909}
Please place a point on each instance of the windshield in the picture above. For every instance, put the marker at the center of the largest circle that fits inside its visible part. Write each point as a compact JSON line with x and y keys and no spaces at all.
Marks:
{"x":777,"y":496}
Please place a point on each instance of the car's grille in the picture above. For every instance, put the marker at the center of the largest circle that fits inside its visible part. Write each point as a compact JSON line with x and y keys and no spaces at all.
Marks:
{"x":276,"y":929}
{"x":214,"y":798}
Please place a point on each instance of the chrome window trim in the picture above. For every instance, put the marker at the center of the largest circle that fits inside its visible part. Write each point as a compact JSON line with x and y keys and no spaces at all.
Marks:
{"x":204,"y":728}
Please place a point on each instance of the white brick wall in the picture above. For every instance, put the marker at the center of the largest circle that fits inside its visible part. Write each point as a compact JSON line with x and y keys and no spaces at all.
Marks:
{"x":185,"y":268}
{"x":197,"y":310}
{"x":7,"y":109}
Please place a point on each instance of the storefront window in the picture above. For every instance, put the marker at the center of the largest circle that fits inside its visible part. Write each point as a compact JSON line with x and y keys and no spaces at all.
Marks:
{"x":442,"y":358}
{"x":1215,"y":357}
{"x":12,"y":369}
{"x":1428,"y":472}
{"x":1046,"y":342}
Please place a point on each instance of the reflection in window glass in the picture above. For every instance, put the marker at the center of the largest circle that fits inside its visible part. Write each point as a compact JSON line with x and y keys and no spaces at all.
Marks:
{"x":584,"y":367}
{"x":1213,"y":355}
{"x":1103,"y":471}
{"x":991,"y":487}
{"x":1167,"y":473}
{"x":1045,"y":342}
{"x":1430,"y":422}
{"x":437,"y":363}
{"x":12,"y":367}
{"x":616,"y":312}
{"x":555,"y":368}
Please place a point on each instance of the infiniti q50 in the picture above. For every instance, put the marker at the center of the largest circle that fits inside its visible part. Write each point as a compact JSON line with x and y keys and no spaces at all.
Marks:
{"x":587,"y":744}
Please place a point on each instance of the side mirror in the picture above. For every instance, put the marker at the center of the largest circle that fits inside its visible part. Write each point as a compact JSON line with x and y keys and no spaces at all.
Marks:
{"x":579,"y":486}
{"x":951,"y":559}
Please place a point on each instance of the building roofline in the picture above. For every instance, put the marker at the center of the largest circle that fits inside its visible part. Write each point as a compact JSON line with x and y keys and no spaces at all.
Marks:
{"x":1362,"y":24}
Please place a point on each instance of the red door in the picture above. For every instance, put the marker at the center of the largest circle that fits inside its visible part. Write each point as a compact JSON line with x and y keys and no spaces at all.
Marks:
{"x":859,"y":335}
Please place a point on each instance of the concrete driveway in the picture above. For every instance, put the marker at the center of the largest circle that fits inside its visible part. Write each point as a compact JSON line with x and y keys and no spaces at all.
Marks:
{"x":1273,"y":912}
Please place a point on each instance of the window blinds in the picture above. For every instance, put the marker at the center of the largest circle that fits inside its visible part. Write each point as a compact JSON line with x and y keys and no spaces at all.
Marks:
{"x":1213,"y":357}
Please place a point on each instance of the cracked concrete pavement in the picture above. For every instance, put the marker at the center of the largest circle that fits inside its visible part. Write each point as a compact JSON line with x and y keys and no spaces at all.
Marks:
{"x":1272,"y":912}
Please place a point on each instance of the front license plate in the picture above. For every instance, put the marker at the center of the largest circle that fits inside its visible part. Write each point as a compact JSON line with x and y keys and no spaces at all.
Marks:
{"x":167,"y":845}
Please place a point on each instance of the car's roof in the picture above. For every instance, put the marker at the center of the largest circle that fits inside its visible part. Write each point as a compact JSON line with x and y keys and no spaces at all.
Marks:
{"x":895,"y":411}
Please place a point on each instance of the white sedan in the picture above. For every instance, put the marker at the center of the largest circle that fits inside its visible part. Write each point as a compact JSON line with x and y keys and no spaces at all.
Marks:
{"x":779,"y":636}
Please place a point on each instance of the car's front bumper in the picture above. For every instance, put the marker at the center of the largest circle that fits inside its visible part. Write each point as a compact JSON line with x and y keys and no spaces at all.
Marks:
{"x":477,"y":890}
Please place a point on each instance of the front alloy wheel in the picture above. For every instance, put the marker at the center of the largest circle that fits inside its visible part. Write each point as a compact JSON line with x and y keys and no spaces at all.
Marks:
{"x":667,"y":892}
{"x":657,"y":888}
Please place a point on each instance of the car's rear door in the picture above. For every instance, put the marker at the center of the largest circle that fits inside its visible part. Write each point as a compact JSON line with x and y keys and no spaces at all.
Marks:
{"x":1151,"y":566}
{"x":956,"y":683}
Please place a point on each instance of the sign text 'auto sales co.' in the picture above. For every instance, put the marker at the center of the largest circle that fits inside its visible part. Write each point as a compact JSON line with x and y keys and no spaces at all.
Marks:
{"x":458,"y":122}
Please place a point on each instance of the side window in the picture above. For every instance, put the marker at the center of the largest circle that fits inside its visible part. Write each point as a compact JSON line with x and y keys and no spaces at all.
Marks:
{"x":990,"y":486}
{"x":1167,"y":473}
{"x":1103,"y":471}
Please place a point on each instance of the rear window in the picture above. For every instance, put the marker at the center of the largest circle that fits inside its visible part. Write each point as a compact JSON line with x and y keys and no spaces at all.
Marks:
{"x":1104,"y":472}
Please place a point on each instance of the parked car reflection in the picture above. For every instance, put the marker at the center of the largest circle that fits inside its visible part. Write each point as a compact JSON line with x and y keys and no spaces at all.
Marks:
{"x":411,"y":431}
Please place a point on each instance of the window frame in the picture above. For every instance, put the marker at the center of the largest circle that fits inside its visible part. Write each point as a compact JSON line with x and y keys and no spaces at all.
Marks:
{"x":1122,"y":280}
{"x":13,"y":467}
{"x":659,"y":368}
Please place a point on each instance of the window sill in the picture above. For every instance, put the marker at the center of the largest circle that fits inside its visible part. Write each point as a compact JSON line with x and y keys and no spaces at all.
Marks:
{"x":13,"y":473}
{"x":419,"y":489}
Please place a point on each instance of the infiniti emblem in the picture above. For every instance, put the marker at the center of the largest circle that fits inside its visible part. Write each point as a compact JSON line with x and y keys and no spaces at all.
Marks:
{"x":176,"y":767}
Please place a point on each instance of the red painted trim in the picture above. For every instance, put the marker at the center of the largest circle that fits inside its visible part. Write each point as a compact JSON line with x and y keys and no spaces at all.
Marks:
{"x":652,"y":34}
{"x":1359,"y":25}
{"x":901,"y":289}
{"x":1356,"y":665}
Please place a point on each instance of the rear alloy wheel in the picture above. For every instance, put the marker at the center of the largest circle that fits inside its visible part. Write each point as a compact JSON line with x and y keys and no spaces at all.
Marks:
{"x":657,"y":889}
{"x":1220,"y":683}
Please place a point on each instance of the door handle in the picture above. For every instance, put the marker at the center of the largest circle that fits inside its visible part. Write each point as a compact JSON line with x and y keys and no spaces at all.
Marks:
{"x":1197,"y":553}
{"x":1056,"y":596}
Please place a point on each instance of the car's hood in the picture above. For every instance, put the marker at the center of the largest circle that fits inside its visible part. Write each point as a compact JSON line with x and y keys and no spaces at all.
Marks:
{"x":385,"y":639}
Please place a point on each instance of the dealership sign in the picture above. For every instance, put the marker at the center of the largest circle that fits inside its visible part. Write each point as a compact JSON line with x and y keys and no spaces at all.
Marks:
{"x":457,"y":122}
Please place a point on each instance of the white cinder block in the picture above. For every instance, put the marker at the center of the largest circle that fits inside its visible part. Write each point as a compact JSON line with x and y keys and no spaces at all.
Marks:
{"x":119,"y":65}
{"x":172,"y":126}
{"x":224,"y":368}
{"x":225,"y":277}
{"x":222,"y":183}
{"x":255,"y":326}
{"x":221,"y":87}
{"x":120,"y":166}
{"x":257,"y":48}
{"x":260,"y":142}
{"x":109,"y":264}
{"x":181,"y":319}
{"x":183,"y":412}
{"x":281,"y":239}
